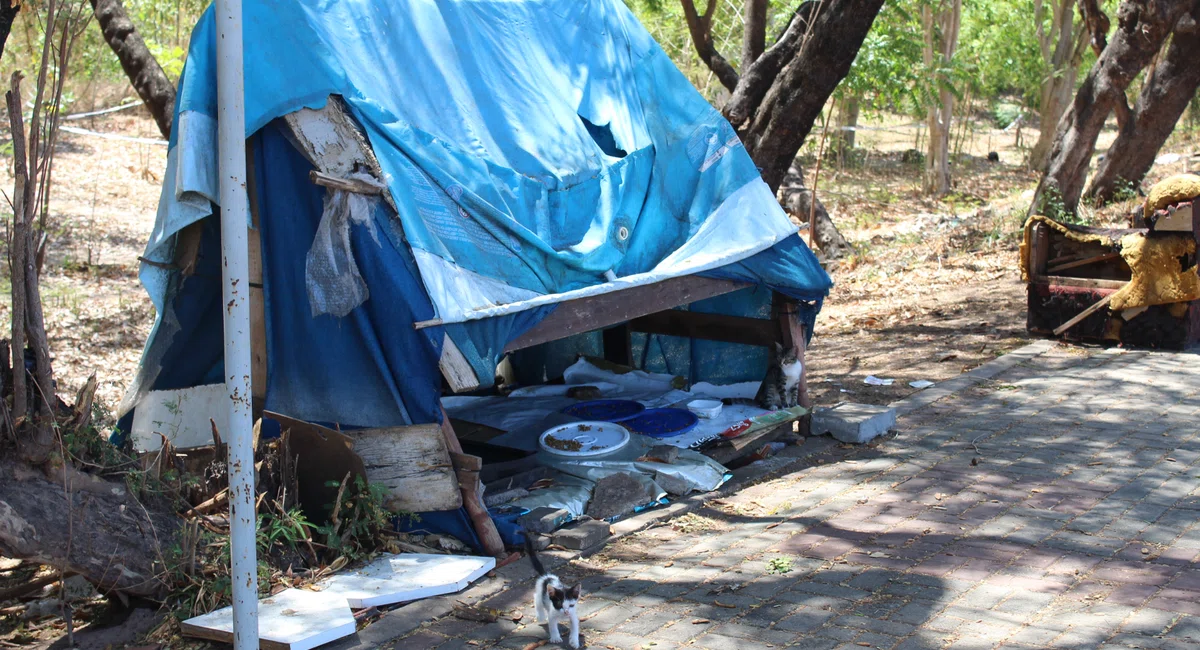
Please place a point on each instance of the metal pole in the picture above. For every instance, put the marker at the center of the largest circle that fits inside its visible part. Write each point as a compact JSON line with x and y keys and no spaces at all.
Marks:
{"x":231,"y":149}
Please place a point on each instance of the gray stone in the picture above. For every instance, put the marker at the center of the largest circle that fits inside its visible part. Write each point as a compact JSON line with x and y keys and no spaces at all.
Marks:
{"x":616,"y":495}
{"x":540,"y":542}
{"x":673,"y":485}
{"x":544,"y":520}
{"x":856,"y":423}
{"x":665,"y":453}
{"x":583,"y":535}
{"x":492,"y":500}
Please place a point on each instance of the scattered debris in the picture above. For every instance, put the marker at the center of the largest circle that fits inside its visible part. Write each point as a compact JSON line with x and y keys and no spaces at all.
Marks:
{"x":473,"y":613}
{"x":872,"y":380}
{"x":920,"y":384}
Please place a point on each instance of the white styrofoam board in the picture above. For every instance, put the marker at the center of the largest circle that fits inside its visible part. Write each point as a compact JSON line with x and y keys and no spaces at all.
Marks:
{"x":405,"y":577}
{"x":295,"y":619}
{"x":182,"y":416}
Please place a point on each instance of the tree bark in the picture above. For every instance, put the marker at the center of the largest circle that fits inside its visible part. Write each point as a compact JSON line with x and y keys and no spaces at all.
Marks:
{"x":700,"y":28}
{"x":17,"y":255}
{"x":1161,"y":103}
{"x":147,"y":77}
{"x":1062,"y":64}
{"x":8,"y":13}
{"x":1142,"y":25}
{"x":82,"y":524}
{"x":941,"y":41}
{"x":776,"y":128}
{"x":754,"y":19}
{"x":825,"y":234}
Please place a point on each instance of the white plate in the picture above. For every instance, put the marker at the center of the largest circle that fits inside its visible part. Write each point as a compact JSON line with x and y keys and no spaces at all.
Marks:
{"x":594,"y":438}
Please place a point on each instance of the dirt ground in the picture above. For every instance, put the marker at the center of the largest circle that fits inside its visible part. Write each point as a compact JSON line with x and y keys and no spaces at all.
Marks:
{"x":931,"y":291}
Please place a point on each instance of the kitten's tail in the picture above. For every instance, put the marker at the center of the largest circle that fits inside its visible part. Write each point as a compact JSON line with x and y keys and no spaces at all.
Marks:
{"x":537,"y":564}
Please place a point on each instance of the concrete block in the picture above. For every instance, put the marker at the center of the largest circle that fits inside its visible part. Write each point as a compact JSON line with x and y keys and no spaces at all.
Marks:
{"x":540,"y":542}
{"x":856,"y":423}
{"x":616,"y":495}
{"x":583,"y":535}
{"x":544,"y":520}
{"x":673,"y":485}
{"x":665,"y":453}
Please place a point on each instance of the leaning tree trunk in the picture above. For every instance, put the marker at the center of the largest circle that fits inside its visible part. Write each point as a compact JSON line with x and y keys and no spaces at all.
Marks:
{"x":1161,"y":103}
{"x":1142,"y":25}
{"x":8,"y":13}
{"x":147,"y":77}
{"x":777,"y":100}
{"x":81,"y":524}
{"x":1056,"y":88}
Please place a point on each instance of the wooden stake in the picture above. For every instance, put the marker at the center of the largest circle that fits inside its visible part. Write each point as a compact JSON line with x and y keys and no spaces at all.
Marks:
{"x":1084,"y":314}
{"x":485,"y":528}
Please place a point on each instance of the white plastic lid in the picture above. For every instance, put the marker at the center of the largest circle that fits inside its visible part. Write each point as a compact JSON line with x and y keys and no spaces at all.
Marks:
{"x":578,"y":439}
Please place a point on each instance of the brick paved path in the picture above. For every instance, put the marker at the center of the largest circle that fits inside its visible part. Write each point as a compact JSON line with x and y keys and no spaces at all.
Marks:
{"x":1056,"y":505}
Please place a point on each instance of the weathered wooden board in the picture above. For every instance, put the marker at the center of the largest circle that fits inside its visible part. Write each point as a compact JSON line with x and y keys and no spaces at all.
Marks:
{"x":455,"y":367}
{"x":322,"y":456}
{"x":413,"y":463}
{"x":595,"y":312}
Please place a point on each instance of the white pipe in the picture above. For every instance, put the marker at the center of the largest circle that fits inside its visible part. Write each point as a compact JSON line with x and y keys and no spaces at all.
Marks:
{"x":235,"y":291}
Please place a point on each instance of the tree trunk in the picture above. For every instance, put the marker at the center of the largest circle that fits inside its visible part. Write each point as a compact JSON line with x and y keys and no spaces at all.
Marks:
{"x":1142,"y":25}
{"x":754,"y":17}
{"x":809,"y":61}
{"x":147,"y":77}
{"x":82,"y":524}
{"x":8,"y":13}
{"x":847,"y":122}
{"x":941,"y":41}
{"x":1062,"y":71}
{"x":826,"y":236}
{"x":1162,"y":102}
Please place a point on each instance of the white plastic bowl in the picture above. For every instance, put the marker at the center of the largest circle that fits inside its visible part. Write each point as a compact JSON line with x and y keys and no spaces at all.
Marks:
{"x":705,"y":408}
{"x":587,"y":438}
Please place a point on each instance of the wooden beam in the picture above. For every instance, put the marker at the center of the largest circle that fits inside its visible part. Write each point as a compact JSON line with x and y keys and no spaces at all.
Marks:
{"x":472,"y":498}
{"x":1082,"y":283}
{"x":258,"y":310}
{"x":618,"y":345}
{"x":1084,"y":314}
{"x":1040,"y":252}
{"x":596,"y":312}
{"x":710,"y":327}
{"x":355,"y":185}
{"x":1083,"y":262}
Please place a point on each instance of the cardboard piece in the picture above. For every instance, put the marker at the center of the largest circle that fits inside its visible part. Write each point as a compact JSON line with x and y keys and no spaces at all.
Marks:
{"x":182,"y":416}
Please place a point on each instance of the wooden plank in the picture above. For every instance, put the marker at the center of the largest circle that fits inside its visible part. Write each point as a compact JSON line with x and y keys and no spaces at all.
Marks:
{"x":455,"y":368}
{"x":293,"y":619}
{"x":1084,"y":314}
{"x":710,"y":327}
{"x":730,"y":450}
{"x":413,"y":463}
{"x":618,"y":345}
{"x":1082,"y":283}
{"x":472,"y":499}
{"x":1041,"y":250}
{"x":596,"y":312}
{"x":322,"y":456}
{"x":354,"y":185}
{"x":258,"y":312}
{"x":1083,"y":262}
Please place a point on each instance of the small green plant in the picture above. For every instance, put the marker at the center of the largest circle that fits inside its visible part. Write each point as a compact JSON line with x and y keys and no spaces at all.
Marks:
{"x":1124,"y":190}
{"x":358,"y":518}
{"x":779,"y":565}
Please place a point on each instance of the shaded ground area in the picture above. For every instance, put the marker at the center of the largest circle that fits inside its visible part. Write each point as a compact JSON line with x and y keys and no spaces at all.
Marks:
{"x":1055,"y":505}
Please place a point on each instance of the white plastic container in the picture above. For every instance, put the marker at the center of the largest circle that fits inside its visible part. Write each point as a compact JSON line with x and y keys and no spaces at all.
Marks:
{"x":581,"y":439}
{"x":705,"y":408}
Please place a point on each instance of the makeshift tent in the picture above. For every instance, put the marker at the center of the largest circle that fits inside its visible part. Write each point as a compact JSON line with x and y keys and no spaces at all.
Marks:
{"x":435,"y":184}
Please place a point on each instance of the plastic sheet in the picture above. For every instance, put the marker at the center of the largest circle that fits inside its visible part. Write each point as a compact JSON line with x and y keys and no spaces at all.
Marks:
{"x":334,"y":284}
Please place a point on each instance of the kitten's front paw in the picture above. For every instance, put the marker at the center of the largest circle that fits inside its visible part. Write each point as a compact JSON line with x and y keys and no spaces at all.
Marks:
{"x":555,"y":637}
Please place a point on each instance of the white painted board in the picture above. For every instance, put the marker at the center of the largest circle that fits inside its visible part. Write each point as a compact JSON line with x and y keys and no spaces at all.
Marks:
{"x":293,"y":619}
{"x":405,"y":577}
{"x":182,"y":416}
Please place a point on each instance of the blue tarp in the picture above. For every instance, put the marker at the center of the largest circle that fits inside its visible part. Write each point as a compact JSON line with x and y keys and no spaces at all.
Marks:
{"x":534,"y":150}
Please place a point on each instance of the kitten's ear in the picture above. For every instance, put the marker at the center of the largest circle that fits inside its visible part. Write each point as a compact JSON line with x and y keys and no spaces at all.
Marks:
{"x":778,"y":349}
{"x":551,"y":592}
{"x":573,"y":592}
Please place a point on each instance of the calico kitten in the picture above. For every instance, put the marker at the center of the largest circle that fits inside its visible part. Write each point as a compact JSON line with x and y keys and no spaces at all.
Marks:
{"x":780,"y":388}
{"x":554,"y":601}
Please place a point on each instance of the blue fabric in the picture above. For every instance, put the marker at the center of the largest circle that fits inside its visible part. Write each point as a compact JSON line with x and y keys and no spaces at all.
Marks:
{"x":369,"y":369}
{"x":533,"y":146}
